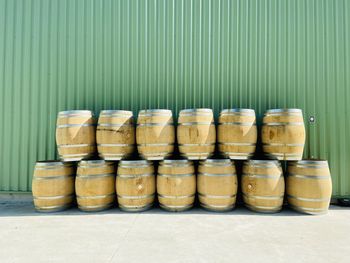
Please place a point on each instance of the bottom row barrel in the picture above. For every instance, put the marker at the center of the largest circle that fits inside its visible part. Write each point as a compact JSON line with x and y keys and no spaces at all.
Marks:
{"x":263,"y":185}
{"x":135,"y":185}
{"x":308,"y":185}
{"x":53,"y":186}
{"x":95,"y":185}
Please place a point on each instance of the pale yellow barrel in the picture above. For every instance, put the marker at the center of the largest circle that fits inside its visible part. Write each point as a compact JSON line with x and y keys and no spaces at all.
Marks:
{"x":155,"y":134}
{"x":217,"y":184}
{"x":237,"y":133}
{"x":309,"y":186}
{"x":283,"y":134}
{"x":176,"y":185}
{"x":135,"y":185}
{"x":53,"y":186}
{"x":75,"y":135}
{"x":263,"y":185}
{"x":95,"y":185}
{"x":196,"y":134}
{"x":115,"y":135}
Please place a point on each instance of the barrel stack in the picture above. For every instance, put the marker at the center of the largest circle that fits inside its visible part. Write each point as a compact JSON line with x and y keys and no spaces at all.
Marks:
{"x":156,"y":170}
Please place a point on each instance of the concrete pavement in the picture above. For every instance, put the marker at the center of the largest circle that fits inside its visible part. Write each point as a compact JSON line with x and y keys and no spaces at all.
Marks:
{"x":158,"y":236}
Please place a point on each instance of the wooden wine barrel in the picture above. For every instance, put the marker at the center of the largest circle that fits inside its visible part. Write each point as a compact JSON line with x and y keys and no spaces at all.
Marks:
{"x":155,"y":134}
{"x":135,"y":185}
{"x":217,"y":184}
{"x":53,"y":186}
{"x":196,"y":134}
{"x":115,"y":135}
{"x":263,"y":185}
{"x":309,"y":186}
{"x":237,"y":133}
{"x":176,"y":185}
{"x":283,"y":134}
{"x":75,"y":135}
{"x":95,"y":185}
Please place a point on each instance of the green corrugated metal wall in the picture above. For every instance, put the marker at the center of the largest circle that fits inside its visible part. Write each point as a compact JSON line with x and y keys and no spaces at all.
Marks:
{"x":65,"y":54}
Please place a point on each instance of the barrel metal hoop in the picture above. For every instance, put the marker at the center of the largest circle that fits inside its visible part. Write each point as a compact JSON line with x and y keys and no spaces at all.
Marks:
{"x":309,"y":210}
{"x":116,"y":113}
{"x":105,"y":155}
{"x":283,"y":124}
{"x":195,"y":123}
{"x":284,"y":154}
{"x":238,"y":110}
{"x":52,"y":164}
{"x":53,"y":197}
{"x":58,"y":167}
{"x":78,"y":113}
{"x":135,"y":197}
{"x":96,"y":166}
{"x":94,"y":208}
{"x":309,"y":199}
{"x":175,"y":175}
{"x":74,"y":125}
{"x":217,"y":208}
{"x":306,"y":163}
{"x":262,"y":166}
{"x":237,"y":123}
{"x":196,"y":144}
{"x":53,"y":177}
{"x":115,"y":144}
{"x":315,"y":177}
{"x":267,"y":209}
{"x":135,"y":208}
{"x":73,"y":145}
{"x":155,"y":112}
{"x":286,"y":110}
{"x":156,"y":156}
{"x":264,"y":163}
{"x":95,"y":176}
{"x":175,"y":165}
{"x":82,"y":155}
{"x":262,"y":176}
{"x":216,"y":196}
{"x":95,"y":196}
{"x":154,"y":144}
{"x":285,"y":144}
{"x":134,"y":176}
{"x":52,"y":209}
{"x":263,"y":197}
{"x":309,"y":166}
{"x":114,"y":125}
{"x":134,"y":166}
{"x":214,"y":174}
{"x":176,"y":207}
{"x":152,"y":124}
{"x":196,"y":156}
{"x":238,"y":156}
{"x":237,"y":143}
{"x":216,"y":162}
{"x":176,"y":197}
